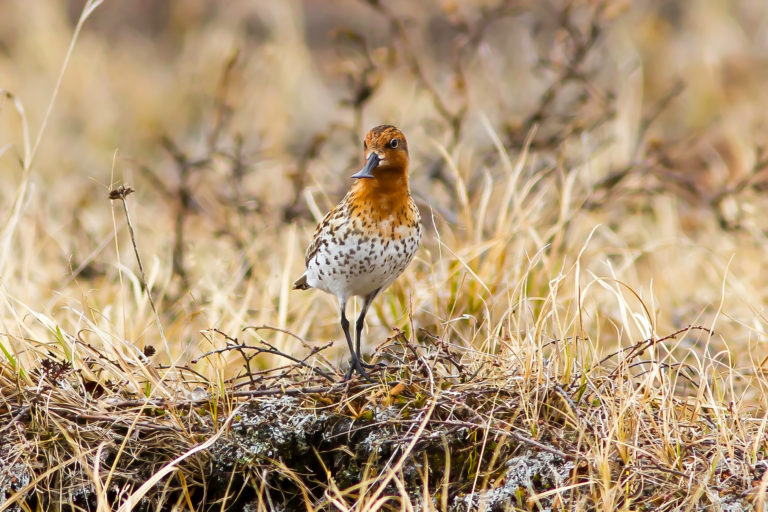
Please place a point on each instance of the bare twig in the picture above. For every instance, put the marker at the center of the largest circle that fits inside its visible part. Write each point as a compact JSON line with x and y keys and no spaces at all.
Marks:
{"x":270,"y":349}
{"x":120,"y":193}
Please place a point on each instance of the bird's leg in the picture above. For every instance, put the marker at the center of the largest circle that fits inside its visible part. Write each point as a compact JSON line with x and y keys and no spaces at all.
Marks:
{"x":359,"y":327}
{"x":355,"y":365}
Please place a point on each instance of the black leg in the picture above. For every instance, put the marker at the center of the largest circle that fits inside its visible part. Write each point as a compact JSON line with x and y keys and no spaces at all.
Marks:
{"x":360,"y":324}
{"x":355,"y":364}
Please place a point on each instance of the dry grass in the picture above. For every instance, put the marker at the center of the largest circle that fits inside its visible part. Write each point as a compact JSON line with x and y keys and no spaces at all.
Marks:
{"x":589,"y":301}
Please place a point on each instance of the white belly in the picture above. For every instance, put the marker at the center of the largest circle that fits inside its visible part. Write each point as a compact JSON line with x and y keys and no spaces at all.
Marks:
{"x":353,"y":264}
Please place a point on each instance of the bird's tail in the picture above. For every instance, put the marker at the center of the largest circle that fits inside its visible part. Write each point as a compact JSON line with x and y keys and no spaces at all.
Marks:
{"x":301,"y":283}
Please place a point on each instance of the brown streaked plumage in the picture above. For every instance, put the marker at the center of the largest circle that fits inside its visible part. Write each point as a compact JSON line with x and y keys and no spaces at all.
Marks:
{"x":370,"y":237}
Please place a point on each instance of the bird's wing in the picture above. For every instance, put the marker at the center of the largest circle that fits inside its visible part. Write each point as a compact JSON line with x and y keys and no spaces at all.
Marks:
{"x":318,"y":240}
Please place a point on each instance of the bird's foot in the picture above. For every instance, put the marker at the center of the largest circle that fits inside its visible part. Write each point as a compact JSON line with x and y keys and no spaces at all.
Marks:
{"x":357,"y":366}
{"x":375,"y":366}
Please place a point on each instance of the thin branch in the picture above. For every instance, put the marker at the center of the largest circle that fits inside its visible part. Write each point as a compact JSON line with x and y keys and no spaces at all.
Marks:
{"x":120,"y":193}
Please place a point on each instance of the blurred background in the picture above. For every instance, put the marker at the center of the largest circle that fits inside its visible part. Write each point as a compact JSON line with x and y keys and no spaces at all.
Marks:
{"x":600,"y":163}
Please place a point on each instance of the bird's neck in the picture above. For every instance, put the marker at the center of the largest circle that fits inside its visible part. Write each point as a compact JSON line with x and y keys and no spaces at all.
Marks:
{"x":387,"y":192}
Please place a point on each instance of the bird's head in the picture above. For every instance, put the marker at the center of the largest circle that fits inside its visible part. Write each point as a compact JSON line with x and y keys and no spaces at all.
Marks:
{"x":384,"y":150}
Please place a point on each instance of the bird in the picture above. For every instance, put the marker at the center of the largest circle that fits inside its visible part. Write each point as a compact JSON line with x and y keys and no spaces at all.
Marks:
{"x":364,"y":243}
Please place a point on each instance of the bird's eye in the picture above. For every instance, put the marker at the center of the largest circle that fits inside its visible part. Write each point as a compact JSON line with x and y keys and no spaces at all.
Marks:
{"x":393,"y":143}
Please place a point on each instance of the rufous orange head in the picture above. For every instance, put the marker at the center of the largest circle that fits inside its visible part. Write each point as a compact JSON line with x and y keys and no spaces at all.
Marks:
{"x":384,"y":150}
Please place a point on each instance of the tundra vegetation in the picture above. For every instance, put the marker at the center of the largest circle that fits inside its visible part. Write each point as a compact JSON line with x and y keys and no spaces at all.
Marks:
{"x":583,"y":328}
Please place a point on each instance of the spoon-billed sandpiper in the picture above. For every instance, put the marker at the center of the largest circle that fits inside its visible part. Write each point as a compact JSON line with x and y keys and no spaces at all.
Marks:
{"x":370,"y":237}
